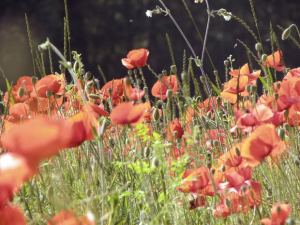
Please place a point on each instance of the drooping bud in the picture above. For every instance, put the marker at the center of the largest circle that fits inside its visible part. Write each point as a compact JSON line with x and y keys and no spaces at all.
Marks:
{"x":287,"y":32}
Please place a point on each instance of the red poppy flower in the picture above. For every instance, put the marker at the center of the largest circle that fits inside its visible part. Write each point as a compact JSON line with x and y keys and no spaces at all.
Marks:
{"x":160,"y":88}
{"x":245,"y":71}
{"x":14,"y":170}
{"x":113,"y":89}
{"x":128,"y":113}
{"x":233,"y":87}
{"x":11,"y":215}
{"x":69,"y":218}
{"x":50,"y":83}
{"x":18,"y":111}
{"x":136,"y":58}
{"x":279,"y":214}
{"x":263,"y":142}
{"x":275,"y":61}
{"x":174,"y":130}
{"x":36,"y":139}
{"x":195,"y":180}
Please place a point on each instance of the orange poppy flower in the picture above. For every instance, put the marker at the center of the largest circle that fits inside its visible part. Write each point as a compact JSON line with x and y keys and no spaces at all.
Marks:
{"x":18,"y":111}
{"x":279,"y":214}
{"x":275,"y":61}
{"x":292,"y":73}
{"x":288,"y":93}
{"x":11,"y":215}
{"x":113,"y":89}
{"x":245,"y":71}
{"x":136,"y":58}
{"x":263,"y":142}
{"x":52,"y":83}
{"x":195,"y":180}
{"x":174,"y":130}
{"x":128,"y":113}
{"x":160,"y":88}
{"x":36,"y":139}
{"x":21,"y":90}
{"x":233,"y":87}
{"x":69,"y":218}
{"x":14,"y":170}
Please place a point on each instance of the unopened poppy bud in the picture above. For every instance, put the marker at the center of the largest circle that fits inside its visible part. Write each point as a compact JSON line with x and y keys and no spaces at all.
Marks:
{"x":164,"y":73}
{"x":44,"y":46}
{"x":237,"y":151}
{"x":146,"y":90}
{"x":184,"y":76}
{"x":68,"y":65}
{"x":155,"y":162}
{"x":129,"y":72}
{"x":97,"y":83}
{"x":169,"y":93}
{"x":94,"y":96}
{"x":202,"y":79}
{"x":127,"y":81}
{"x":258,"y":47}
{"x":264,"y":57}
{"x":226,"y":63}
{"x":287,"y":32}
{"x":88,"y":75}
{"x":173,"y":69}
{"x":156,"y":114}
{"x":49,"y":93}
{"x":146,"y":152}
{"x":281,"y":133}
{"x":34,"y":80}
{"x":21,"y":92}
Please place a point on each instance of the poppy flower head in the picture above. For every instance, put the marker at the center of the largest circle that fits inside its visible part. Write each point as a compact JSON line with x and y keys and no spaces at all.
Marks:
{"x":275,"y":61}
{"x":160,"y":88}
{"x":50,"y":83}
{"x":128,"y":113}
{"x":136,"y":58}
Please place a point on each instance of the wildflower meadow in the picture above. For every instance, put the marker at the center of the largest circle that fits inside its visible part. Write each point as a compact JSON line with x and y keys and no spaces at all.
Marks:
{"x":198,"y":146}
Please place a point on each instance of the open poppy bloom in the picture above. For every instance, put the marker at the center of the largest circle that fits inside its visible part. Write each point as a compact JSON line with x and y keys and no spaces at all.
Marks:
{"x":245,"y":71}
{"x":18,"y":111}
{"x":51,"y":83}
{"x":174,"y":130}
{"x":195,"y":180}
{"x":160,"y":88}
{"x":11,"y":215}
{"x":113,"y":90}
{"x":288,"y":93}
{"x":263,"y":142}
{"x":128,"y":113}
{"x":69,"y":218}
{"x":36,"y":139}
{"x":234,"y":87}
{"x":21,"y":90}
{"x":14,"y":171}
{"x":279,"y":214}
{"x":136,"y":58}
{"x":275,"y":61}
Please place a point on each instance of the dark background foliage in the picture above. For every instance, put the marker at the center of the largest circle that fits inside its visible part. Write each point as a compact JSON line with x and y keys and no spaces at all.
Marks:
{"x":104,"y":30}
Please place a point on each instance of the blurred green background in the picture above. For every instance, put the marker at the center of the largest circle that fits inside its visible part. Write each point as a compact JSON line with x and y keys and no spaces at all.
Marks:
{"x":104,"y":30}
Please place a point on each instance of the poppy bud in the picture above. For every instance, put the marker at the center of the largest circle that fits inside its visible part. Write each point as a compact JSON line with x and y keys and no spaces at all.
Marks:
{"x":164,"y":73}
{"x":155,"y":162}
{"x":169,"y":93}
{"x":94,"y":96}
{"x":49,"y":93}
{"x":173,"y":69}
{"x":146,"y":152}
{"x":281,"y":133}
{"x":258,"y":47}
{"x":287,"y":32}
{"x":237,"y":151}
{"x":87,"y":76}
{"x":156,"y":114}
{"x":97,"y":83}
{"x":21,"y":92}
{"x":34,"y":80}
{"x":264,"y":57}
{"x":226,"y":63}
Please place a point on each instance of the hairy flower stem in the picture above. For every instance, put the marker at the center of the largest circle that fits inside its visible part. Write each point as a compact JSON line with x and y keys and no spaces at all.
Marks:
{"x":206,"y":31}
